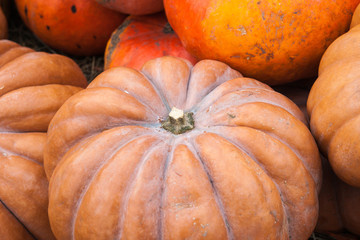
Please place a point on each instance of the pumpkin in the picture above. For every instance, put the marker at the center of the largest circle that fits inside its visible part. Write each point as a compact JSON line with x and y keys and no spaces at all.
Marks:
{"x":80,"y":27}
{"x":339,"y":207}
{"x":334,"y":108}
{"x":134,"y":7}
{"x":177,"y":151}
{"x":3,"y":25}
{"x":33,"y":85}
{"x":273,"y":41}
{"x":141,"y":38}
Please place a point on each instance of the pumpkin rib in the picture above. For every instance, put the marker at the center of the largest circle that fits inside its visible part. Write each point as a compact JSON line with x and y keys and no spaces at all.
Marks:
{"x":326,"y":139}
{"x":17,"y":219}
{"x":216,"y":193}
{"x":88,"y":184}
{"x":132,"y":181}
{"x":163,"y":190}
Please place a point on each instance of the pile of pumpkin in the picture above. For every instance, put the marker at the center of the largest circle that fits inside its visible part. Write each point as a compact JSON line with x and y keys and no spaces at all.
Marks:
{"x":212,"y":120}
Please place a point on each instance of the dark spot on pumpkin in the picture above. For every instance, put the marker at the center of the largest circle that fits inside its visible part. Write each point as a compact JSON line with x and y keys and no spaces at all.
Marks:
{"x":157,"y":44}
{"x":41,"y":16}
{"x":94,"y":37}
{"x":269,"y":56}
{"x":231,"y":115}
{"x":78,"y":46}
{"x":26,"y":11}
{"x":73,"y":9}
{"x":258,"y":3}
{"x":167,"y":28}
{"x":48,"y":27}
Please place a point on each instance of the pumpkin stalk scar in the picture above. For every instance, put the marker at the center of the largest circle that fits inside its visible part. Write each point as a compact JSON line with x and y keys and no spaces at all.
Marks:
{"x":178,"y":122}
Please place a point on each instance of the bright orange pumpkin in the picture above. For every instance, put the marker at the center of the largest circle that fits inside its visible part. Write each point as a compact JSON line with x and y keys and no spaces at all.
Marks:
{"x":80,"y":27}
{"x":141,"y":38}
{"x":274,"y":41}
{"x":237,"y":163}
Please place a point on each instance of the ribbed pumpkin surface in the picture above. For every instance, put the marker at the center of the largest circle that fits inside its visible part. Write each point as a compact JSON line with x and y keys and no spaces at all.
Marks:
{"x":248,"y":169}
{"x":33,"y":85}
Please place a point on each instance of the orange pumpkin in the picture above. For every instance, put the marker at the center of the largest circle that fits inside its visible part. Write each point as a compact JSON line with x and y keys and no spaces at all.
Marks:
{"x":233,"y":159}
{"x":334,"y":106}
{"x":273,"y":41}
{"x":33,"y":85}
{"x":134,"y":7}
{"x":80,"y":27}
{"x":141,"y":38}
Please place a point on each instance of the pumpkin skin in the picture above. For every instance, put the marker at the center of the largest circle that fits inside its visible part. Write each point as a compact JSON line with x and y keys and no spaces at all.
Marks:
{"x":270,"y":40}
{"x":239,"y":173}
{"x":338,"y":204}
{"x":33,"y":85}
{"x":69,"y":26}
{"x":3,"y":25}
{"x":141,"y":38}
{"x":333,"y":106}
{"x":134,"y":7}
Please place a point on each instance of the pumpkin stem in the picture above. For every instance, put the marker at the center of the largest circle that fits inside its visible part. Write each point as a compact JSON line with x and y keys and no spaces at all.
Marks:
{"x":178,"y":122}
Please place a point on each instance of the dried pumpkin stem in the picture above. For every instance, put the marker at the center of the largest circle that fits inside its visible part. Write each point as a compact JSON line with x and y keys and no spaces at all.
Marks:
{"x":178,"y":122}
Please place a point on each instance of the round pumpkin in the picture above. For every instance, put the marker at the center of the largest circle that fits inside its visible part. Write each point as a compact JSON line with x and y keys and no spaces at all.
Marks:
{"x":334,"y":106}
{"x":177,"y":151}
{"x":134,"y":7}
{"x":141,"y":38}
{"x":80,"y":27}
{"x":33,"y":85}
{"x":274,"y":41}
{"x":339,"y":207}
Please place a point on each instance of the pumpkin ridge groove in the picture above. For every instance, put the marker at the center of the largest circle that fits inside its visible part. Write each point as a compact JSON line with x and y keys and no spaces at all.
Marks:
{"x":6,"y":152}
{"x":218,"y":201}
{"x":342,"y":125}
{"x":157,"y":89}
{"x":251,"y":91}
{"x":18,"y":220}
{"x":168,"y":161}
{"x":87,"y":185}
{"x":131,"y":182}
{"x":246,"y":152}
{"x":145,"y":104}
{"x":272,"y":135}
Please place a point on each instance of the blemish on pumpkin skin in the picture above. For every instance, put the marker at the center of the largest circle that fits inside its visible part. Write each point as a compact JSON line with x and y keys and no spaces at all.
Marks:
{"x":231,"y":115}
{"x":41,"y":16}
{"x":73,"y":9}
{"x":48,"y":27}
{"x":26,"y":11}
{"x":78,"y":46}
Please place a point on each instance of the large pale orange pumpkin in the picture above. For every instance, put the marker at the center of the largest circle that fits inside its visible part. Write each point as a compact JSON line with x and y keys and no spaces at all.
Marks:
{"x":80,"y":27}
{"x":134,"y":7}
{"x":275,"y":41}
{"x":141,"y":38}
{"x":33,"y":85}
{"x":334,"y":106}
{"x":177,"y":151}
